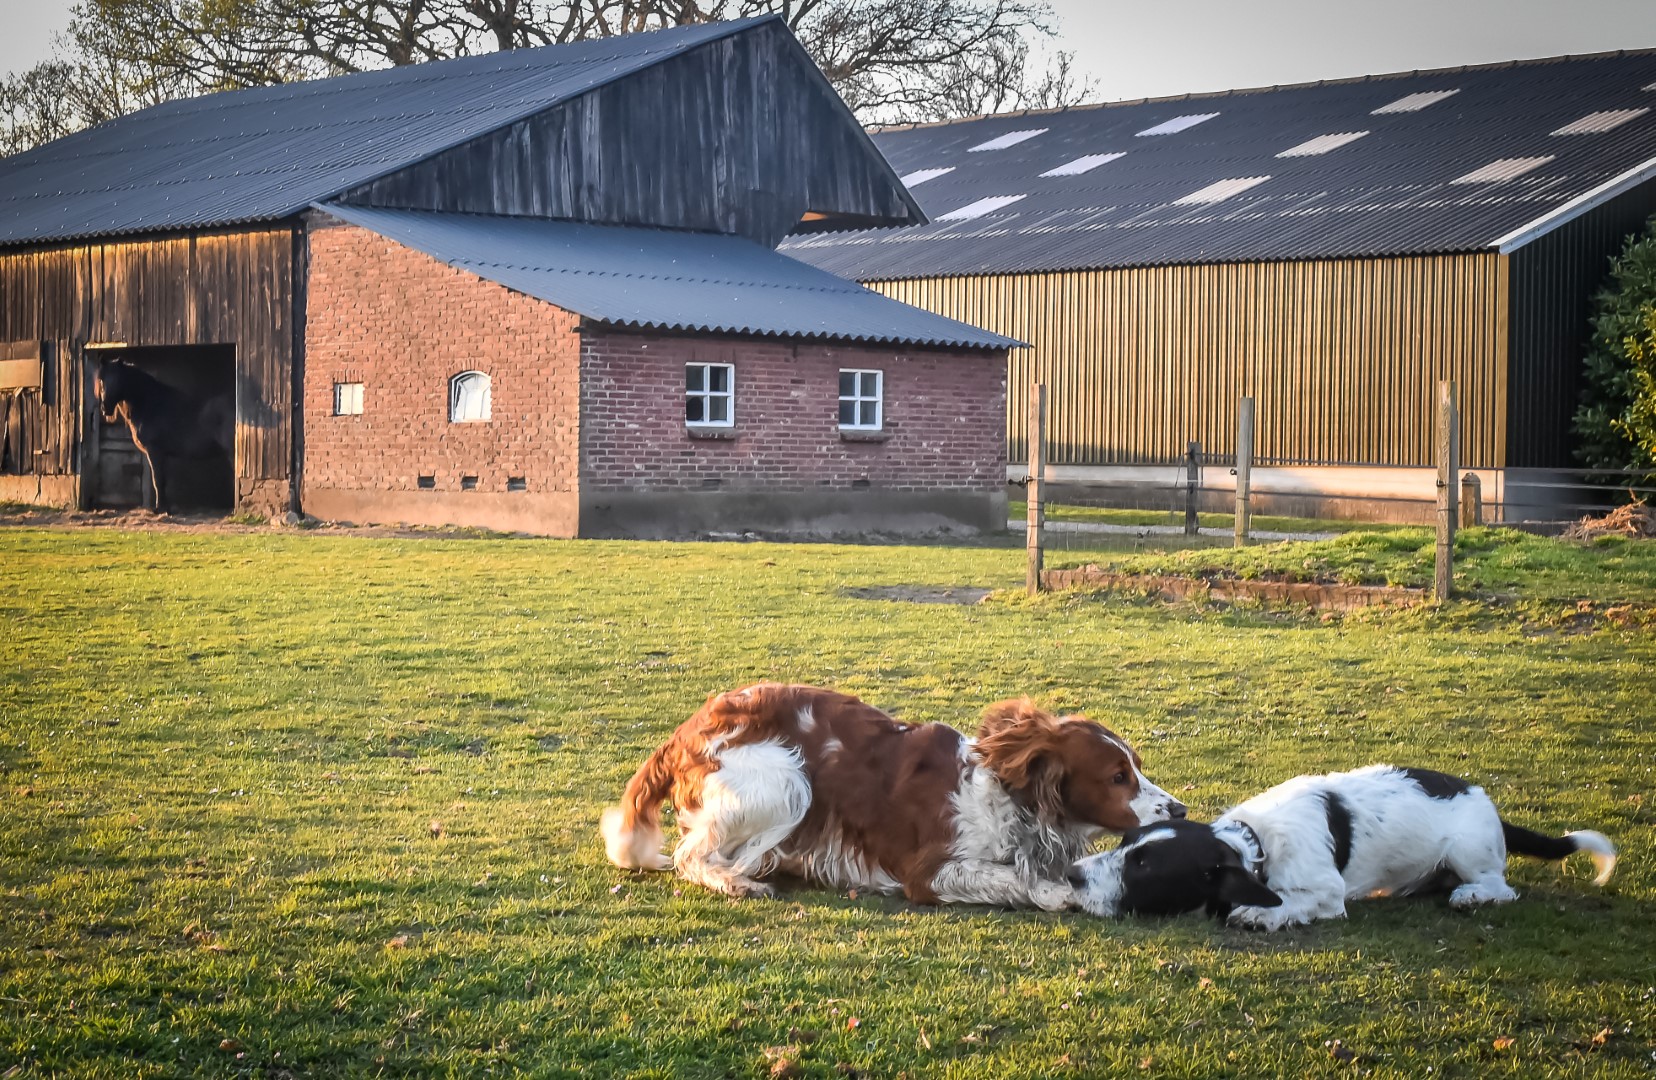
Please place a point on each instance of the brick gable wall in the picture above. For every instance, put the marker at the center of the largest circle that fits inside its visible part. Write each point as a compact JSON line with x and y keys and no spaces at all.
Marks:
{"x":402,"y":324}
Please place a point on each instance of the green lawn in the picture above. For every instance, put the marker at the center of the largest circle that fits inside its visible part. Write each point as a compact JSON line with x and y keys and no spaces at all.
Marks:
{"x":307,"y":804}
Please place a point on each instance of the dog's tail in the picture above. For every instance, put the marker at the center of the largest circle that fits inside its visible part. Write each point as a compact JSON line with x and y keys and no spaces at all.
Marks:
{"x":1521,"y":841}
{"x":632,"y":831}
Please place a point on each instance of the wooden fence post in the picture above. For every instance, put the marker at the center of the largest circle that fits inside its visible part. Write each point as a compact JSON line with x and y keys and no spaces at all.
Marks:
{"x":1448,"y":480}
{"x":1244,"y":467}
{"x":1471,"y":501}
{"x":1033,"y":539}
{"x":1191,"y":470}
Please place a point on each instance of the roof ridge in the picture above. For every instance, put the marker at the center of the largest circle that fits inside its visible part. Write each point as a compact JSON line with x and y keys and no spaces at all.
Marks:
{"x":1308,"y":85}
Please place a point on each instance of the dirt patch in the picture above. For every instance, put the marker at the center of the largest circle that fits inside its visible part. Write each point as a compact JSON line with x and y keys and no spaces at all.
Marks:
{"x":919,"y":594}
{"x":1324,"y":597}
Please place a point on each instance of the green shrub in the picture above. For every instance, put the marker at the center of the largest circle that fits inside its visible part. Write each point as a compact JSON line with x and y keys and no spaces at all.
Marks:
{"x":1616,"y":422}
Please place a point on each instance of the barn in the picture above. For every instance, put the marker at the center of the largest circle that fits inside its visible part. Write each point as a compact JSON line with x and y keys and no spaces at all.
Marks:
{"x":1330,"y":250}
{"x":532,"y":290}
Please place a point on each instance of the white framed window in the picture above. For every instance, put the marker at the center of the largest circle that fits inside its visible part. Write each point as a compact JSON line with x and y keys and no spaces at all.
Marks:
{"x":861,"y":399}
{"x":347,"y":399}
{"x":470,"y":398}
{"x":710,"y":395}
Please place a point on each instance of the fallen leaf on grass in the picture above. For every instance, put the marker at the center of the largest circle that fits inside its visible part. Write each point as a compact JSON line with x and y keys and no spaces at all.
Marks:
{"x":230,"y":1045}
{"x":1204,"y":983}
{"x":398,"y":942}
{"x":1503,"y":1043}
{"x":1601,"y":1037}
{"x":925,"y":1042}
{"x":1145,"y":1063}
{"x":784,"y":1060}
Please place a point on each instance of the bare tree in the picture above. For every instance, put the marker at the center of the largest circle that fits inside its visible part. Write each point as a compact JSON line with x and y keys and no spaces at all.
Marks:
{"x":891,"y":60}
{"x":1000,"y":79}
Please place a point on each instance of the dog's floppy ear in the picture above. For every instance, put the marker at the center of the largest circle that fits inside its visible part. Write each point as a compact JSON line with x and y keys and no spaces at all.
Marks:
{"x":1238,"y":888}
{"x":1018,"y":742}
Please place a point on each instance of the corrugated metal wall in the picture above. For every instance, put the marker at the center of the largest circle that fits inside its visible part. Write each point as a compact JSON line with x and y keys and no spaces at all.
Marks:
{"x":1554,"y":279}
{"x":1342,"y":356}
{"x":233,"y":288}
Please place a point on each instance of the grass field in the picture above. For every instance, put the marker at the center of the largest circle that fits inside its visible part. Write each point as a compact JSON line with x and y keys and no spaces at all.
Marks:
{"x":279,"y":804}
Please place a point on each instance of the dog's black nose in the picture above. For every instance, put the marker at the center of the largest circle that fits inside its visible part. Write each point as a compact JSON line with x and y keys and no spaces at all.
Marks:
{"x":1076,"y":878}
{"x":1176,"y":810}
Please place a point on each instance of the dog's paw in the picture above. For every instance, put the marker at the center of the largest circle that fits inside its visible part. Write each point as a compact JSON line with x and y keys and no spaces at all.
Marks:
{"x":1052,"y":896}
{"x":751,"y":890}
{"x":1261,"y":918}
{"x":1477,"y":893}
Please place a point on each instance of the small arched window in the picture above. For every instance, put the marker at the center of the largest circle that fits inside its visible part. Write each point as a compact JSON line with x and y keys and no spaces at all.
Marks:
{"x":469,"y":397}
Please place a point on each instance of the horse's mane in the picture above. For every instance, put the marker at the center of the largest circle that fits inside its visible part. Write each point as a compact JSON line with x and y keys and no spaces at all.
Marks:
{"x":135,"y":384}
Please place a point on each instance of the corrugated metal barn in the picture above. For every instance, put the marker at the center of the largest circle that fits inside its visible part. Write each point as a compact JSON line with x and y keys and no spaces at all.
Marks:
{"x":247,"y":243}
{"x":1331,"y":250}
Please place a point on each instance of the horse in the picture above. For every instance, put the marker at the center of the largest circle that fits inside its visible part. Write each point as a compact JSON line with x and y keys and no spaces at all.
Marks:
{"x":165,"y":422}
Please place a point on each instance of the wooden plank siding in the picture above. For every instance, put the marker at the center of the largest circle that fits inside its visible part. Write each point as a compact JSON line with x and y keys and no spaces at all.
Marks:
{"x":741,"y":136}
{"x":223,"y":288}
{"x":1341,"y":356}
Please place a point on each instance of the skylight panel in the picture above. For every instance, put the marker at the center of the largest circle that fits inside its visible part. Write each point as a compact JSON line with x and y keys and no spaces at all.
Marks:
{"x":1599,"y":122}
{"x":1081,"y":165}
{"x":980,"y":208}
{"x":1221,"y":190}
{"x":1001,"y":142}
{"x":1178,"y":124}
{"x":921,"y":176}
{"x":1322,"y":144}
{"x":1503,"y":169}
{"x":1414,"y":102}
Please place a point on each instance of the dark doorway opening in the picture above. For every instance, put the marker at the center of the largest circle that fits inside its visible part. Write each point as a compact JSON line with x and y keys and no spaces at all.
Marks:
{"x":194,"y":485}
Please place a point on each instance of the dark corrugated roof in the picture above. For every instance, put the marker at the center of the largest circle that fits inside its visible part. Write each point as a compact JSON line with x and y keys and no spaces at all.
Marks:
{"x":1392,"y":191}
{"x":661,"y":279}
{"x":252,"y":155}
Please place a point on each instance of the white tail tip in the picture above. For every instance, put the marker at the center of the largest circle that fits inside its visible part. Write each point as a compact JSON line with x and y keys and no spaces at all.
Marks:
{"x":1600,"y":849}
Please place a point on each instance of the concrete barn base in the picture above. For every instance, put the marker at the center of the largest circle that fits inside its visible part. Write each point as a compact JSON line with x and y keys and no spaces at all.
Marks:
{"x":663,"y":515}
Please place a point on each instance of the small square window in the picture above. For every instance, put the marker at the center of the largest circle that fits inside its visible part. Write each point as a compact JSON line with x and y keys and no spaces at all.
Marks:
{"x":347,"y":399}
{"x":861,"y":399}
{"x":709,"y":395}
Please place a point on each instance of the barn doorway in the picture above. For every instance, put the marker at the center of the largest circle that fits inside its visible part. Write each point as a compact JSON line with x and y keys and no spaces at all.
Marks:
{"x":119,"y":476}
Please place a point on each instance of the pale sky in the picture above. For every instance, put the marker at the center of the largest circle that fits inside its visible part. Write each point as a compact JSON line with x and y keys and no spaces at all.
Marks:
{"x":1137,"y":49}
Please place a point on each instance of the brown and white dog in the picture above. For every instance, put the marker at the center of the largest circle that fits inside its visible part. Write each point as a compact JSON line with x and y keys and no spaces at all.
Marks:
{"x":815,"y":784}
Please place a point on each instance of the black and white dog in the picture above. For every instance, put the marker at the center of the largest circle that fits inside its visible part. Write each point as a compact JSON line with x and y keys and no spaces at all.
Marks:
{"x":1299,"y":851}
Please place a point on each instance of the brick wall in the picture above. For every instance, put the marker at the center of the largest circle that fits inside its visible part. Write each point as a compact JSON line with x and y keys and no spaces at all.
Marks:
{"x":402,"y":323}
{"x":944,"y":418}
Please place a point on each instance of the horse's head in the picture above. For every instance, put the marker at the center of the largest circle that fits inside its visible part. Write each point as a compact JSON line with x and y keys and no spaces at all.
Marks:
{"x":109,"y":386}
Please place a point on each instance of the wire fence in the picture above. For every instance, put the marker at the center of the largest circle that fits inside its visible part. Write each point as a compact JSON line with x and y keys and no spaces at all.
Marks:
{"x":1204,"y":482}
